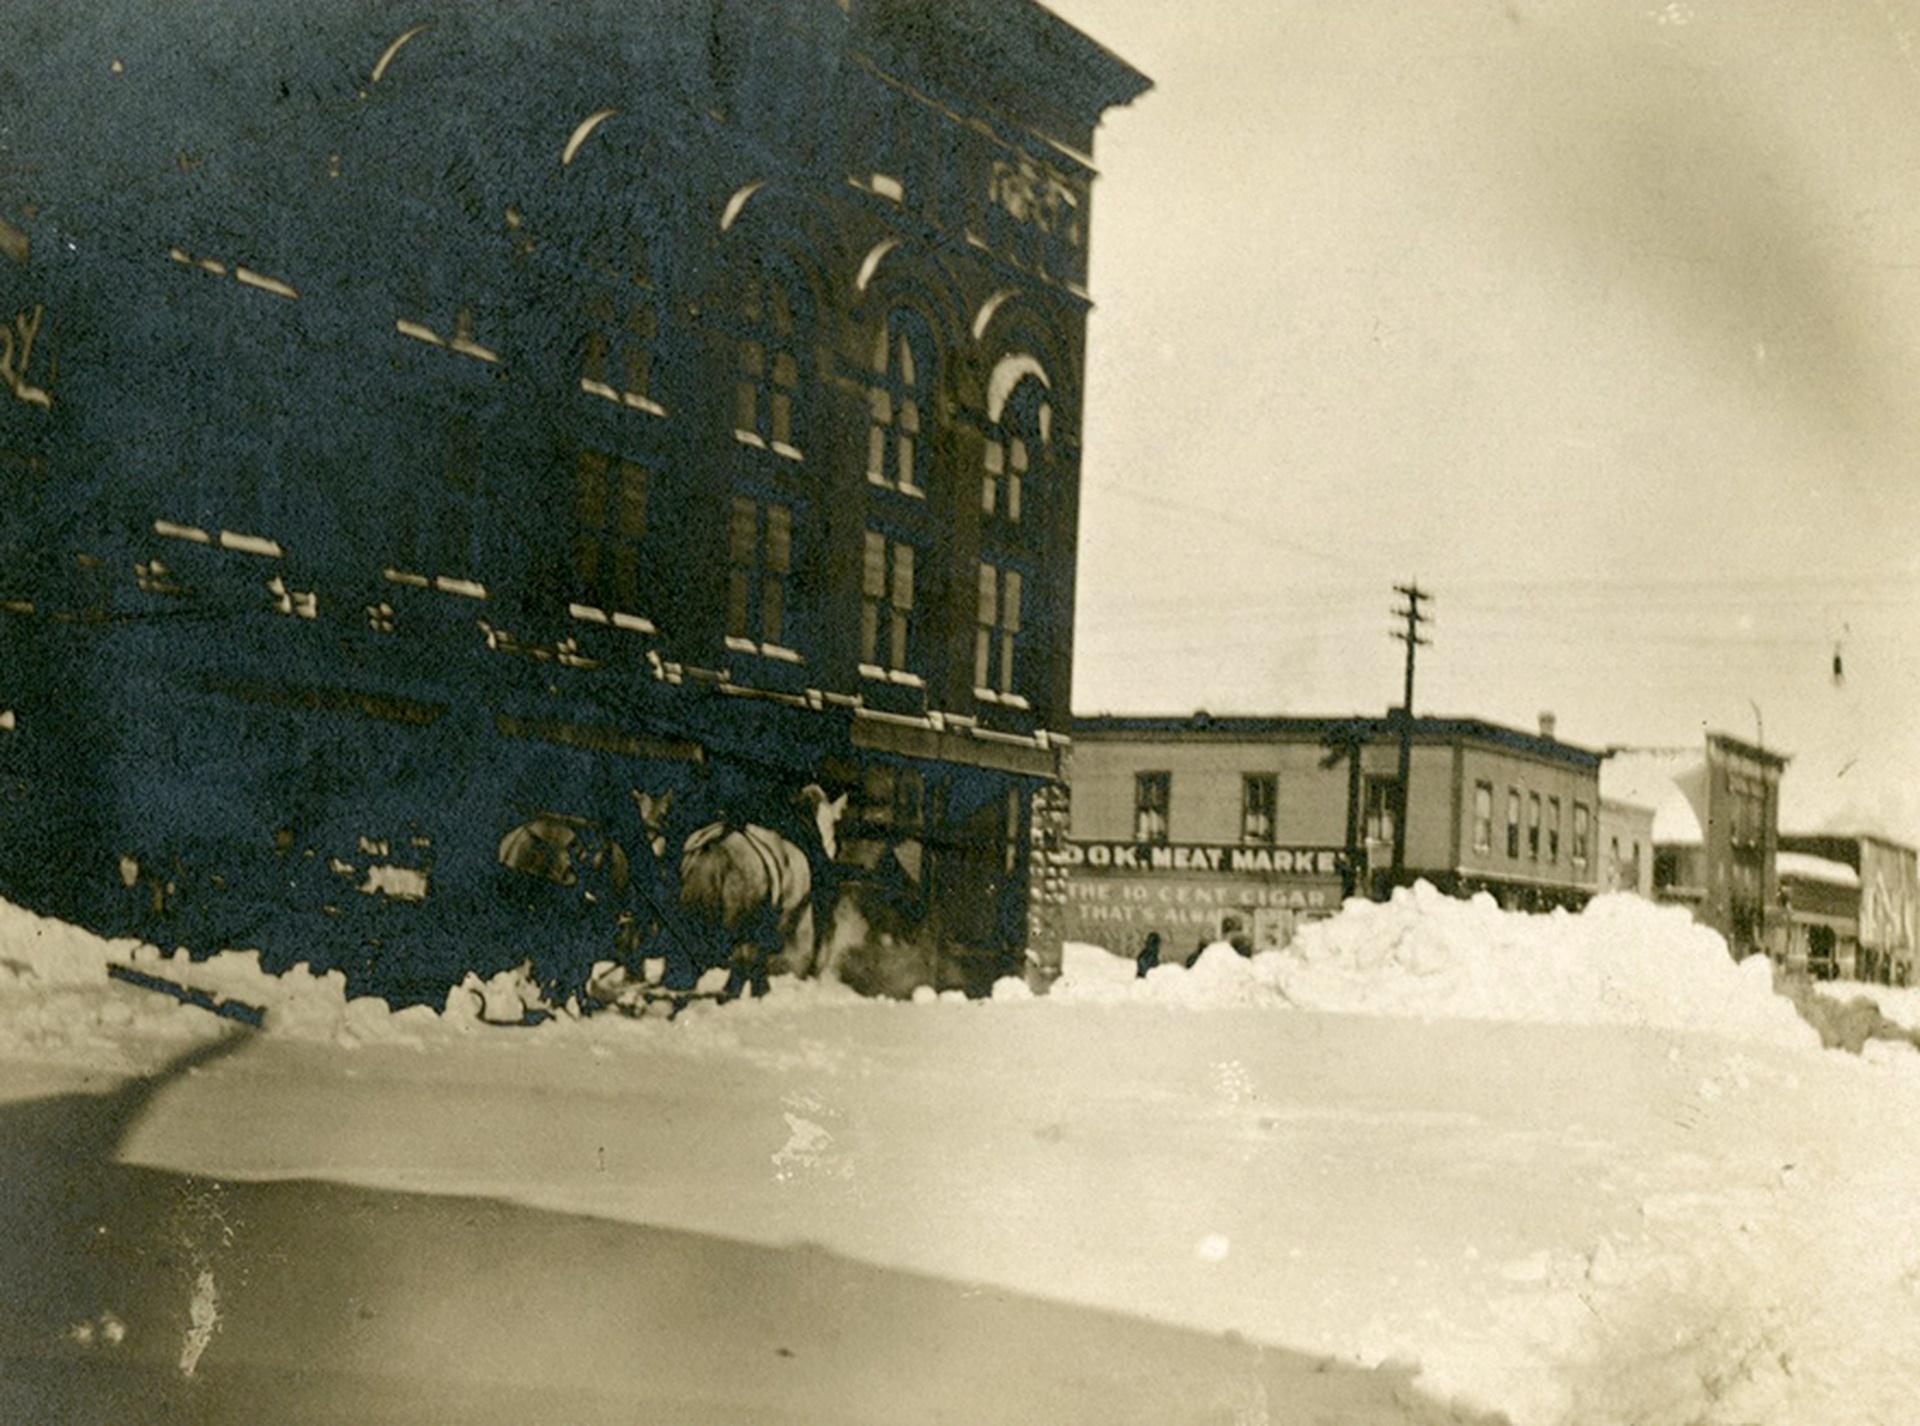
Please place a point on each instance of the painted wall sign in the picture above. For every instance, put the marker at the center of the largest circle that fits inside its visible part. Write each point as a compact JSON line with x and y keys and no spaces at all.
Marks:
{"x":1136,"y":857}
{"x":16,"y":356}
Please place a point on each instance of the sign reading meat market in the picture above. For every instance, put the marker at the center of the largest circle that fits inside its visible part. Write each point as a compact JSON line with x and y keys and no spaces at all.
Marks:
{"x":1189,"y":893}
{"x":1134,"y":858}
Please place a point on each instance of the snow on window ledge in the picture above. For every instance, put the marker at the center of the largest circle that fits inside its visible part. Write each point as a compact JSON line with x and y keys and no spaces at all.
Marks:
{"x":892,"y":675}
{"x":631,"y":399}
{"x":768,"y":651}
{"x":1005,"y":700}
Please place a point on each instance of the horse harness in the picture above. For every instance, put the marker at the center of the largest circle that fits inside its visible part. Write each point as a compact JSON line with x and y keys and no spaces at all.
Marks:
{"x":766,"y":849}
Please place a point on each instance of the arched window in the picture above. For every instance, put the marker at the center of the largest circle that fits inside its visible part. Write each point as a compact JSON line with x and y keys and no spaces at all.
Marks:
{"x":621,"y":310}
{"x":901,"y":378}
{"x":1016,"y":449}
{"x":766,"y":404}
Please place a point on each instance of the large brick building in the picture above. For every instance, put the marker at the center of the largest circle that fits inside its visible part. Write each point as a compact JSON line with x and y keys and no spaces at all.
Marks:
{"x":418,"y":419}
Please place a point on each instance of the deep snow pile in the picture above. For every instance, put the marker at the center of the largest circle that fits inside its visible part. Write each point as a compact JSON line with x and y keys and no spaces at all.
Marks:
{"x":1620,"y":961}
{"x":1564,"y":1221}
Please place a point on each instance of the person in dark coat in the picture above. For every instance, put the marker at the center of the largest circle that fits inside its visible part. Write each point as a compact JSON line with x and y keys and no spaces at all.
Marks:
{"x":1149,"y":956}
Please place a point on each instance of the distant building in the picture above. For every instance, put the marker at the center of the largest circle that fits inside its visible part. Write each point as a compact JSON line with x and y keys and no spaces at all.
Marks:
{"x":1179,"y":823}
{"x":1626,"y":847}
{"x":1715,"y":831}
{"x":1820,"y":899}
{"x":1884,"y":878}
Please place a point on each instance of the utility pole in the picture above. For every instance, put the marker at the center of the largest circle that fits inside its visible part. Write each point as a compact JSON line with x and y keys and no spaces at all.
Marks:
{"x":1413,"y":594}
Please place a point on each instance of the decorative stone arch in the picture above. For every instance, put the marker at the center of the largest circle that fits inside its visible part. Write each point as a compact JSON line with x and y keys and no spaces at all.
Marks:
{"x":581,"y":132}
{"x":1013,"y":323}
{"x":799,"y":232}
{"x":398,"y":43}
{"x":896,"y":275}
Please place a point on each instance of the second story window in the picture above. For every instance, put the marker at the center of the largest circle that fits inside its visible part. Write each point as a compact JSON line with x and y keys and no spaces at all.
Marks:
{"x":1533,"y":825}
{"x":617,"y":359}
{"x":1513,"y":823}
{"x":1259,"y":799}
{"x":996,"y":636}
{"x":1553,"y":829}
{"x":1582,"y":833}
{"x":886,"y":608}
{"x":1152,"y":796}
{"x":1380,"y":808}
{"x":1483,"y":816}
{"x":609,"y":527}
{"x":766,"y":388}
{"x":895,"y":458}
{"x":759,"y":563}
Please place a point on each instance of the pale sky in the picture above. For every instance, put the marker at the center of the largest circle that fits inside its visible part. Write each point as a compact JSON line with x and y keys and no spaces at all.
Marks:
{"x":1600,"y":319}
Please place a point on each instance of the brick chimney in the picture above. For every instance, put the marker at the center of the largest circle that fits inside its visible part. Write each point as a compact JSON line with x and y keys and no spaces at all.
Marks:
{"x":1547,"y":722}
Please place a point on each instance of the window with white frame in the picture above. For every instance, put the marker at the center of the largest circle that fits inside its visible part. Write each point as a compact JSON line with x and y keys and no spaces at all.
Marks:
{"x":618,"y":355}
{"x":759,"y":564}
{"x":886,"y":608}
{"x":609,"y":528}
{"x":1152,"y":801}
{"x":766,"y":389}
{"x":896,"y":395}
{"x":996,"y":636}
{"x":1483,"y":816}
{"x":1016,"y":443}
{"x":1259,"y":802}
{"x":1582,"y":833}
{"x":1513,"y":823}
{"x":1553,"y":830}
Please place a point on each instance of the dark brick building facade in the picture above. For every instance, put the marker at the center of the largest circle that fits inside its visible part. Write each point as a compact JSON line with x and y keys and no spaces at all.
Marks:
{"x":415,"y":420}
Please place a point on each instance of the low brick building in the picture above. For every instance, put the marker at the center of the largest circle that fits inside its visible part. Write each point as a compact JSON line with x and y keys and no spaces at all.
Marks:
{"x":1180,"y":823}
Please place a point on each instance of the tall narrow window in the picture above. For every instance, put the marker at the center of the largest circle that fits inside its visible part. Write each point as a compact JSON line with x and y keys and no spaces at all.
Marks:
{"x":1380,"y":809}
{"x":1533,"y":825}
{"x":1483,"y":816}
{"x":767,"y":374}
{"x":1014,"y":446}
{"x":1581,"y":833}
{"x":886,"y":607}
{"x":1553,"y":829}
{"x":1259,"y":798}
{"x":894,"y":403}
{"x":1152,"y":800}
{"x":1513,"y":822}
{"x":759,"y":561}
{"x":996,"y":638}
{"x":610,"y":526}
{"x":617,"y":359}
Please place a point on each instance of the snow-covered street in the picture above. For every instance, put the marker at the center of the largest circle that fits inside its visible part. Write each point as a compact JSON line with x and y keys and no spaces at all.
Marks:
{"x":1174,"y":1200}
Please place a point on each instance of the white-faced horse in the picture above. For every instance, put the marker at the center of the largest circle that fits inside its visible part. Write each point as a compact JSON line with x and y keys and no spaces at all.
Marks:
{"x":748,"y":891}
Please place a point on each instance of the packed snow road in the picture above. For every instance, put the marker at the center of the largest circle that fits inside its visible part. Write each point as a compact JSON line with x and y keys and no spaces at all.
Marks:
{"x":1088,"y":1207}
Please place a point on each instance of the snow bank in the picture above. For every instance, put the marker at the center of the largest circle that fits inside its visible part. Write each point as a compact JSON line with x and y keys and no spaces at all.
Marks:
{"x":54,"y":981}
{"x":1424,"y":954}
{"x":1900,"y":1004}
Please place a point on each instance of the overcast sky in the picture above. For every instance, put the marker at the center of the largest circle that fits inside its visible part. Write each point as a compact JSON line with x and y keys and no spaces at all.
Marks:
{"x":1599,"y":318}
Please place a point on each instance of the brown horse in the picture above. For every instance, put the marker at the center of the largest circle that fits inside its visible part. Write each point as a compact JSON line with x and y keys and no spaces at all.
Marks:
{"x":748,"y":891}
